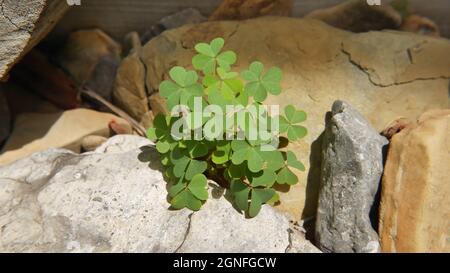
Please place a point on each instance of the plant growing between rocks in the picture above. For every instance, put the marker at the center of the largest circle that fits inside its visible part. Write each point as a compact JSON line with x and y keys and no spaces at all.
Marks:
{"x":248,"y":166}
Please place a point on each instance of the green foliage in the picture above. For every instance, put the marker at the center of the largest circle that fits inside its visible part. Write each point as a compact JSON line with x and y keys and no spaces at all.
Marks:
{"x":244,"y":165}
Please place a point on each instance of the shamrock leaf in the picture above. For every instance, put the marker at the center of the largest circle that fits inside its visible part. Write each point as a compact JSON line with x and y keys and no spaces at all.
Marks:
{"x":185,"y":199}
{"x":183,"y":87}
{"x":285,"y":175}
{"x":209,"y":56}
{"x":198,"y":187}
{"x":186,"y":166}
{"x":162,"y":134}
{"x":222,"y":153}
{"x":265,"y":178}
{"x":240,"y":193}
{"x":289,"y":123}
{"x":243,"y":151}
{"x":258,"y":85}
{"x":259,"y":197}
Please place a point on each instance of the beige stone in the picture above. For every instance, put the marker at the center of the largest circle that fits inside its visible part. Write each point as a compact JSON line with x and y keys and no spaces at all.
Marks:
{"x":415,"y":204}
{"x":158,"y":104}
{"x":358,"y":16}
{"x":129,"y":90}
{"x":23,"y":24}
{"x":421,"y":25}
{"x":92,"y":142}
{"x":317,"y":70}
{"x":83,"y":50}
{"x":245,"y":9}
{"x":35,"y":132}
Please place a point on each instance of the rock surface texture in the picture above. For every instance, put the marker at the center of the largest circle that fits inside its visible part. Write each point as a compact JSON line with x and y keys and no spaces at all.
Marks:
{"x":22,"y":25}
{"x":109,"y":201}
{"x":358,"y":16}
{"x":415,"y":204}
{"x":383,"y":74}
{"x":352,"y":165}
{"x":245,"y":9}
{"x":34,"y":132}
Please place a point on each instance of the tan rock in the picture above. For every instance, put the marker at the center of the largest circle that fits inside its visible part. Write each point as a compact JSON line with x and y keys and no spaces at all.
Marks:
{"x":421,"y":25}
{"x":158,"y":105}
{"x":147,"y":119}
{"x":83,"y":50}
{"x":245,"y":9}
{"x":23,"y":24}
{"x":92,"y":142}
{"x":35,"y":132}
{"x":316,"y":72}
{"x":129,"y":90}
{"x":415,"y":208}
{"x":358,"y":16}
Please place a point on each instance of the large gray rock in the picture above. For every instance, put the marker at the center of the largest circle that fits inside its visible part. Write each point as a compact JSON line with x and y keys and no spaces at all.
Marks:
{"x":114,"y":200}
{"x":352,"y":164}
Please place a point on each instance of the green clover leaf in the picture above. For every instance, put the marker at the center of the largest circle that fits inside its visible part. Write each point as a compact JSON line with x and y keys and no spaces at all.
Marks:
{"x":209,"y":57}
{"x":186,"y":166}
{"x":182,"y":89}
{"x":289,"y":124}
{"x":259,"y":85}
{"x":244,"y":151}
{"x":285,"y":175}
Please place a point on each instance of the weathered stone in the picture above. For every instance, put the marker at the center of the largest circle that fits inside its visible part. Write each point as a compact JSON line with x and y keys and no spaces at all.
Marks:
{"x":352,"y":165}
{"x":147,"y":119}
{"x":358,"y":16}
{"x":421,"y":25}
{"x":395,"y":127}
{"x":83,"y":50}
{"x":109,"y":201}
{"x":316,"y":72}
{"x":92,"y":142}
{"x":415,"y":204}
{"x":181,"y":18}
{"x":5,"y":118}
{"x":129,"y":90}
{"x":35,"y":132}
{"x":158,"y":104}
{"x":23,"y":24}
{"x":245,"y":9}
{"x":103,"y":76}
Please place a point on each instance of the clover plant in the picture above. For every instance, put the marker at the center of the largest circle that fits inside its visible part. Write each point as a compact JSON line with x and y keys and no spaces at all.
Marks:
{"x":231,"y":156}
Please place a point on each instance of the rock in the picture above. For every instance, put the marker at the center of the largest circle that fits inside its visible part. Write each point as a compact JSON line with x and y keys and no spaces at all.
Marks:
{"x":352,"y":165}
{"x":34,"y":132}
{"x":316,"y":72}
{"x":103,"y":76}
{"x":92,"y":142}
{"x":109,"y":201}
{"x":421,"y":25}
{"x":245,"y":9}
{"x":91,"y":57}
{"x":147,"y":119}
{"x":5,"y":118}
{"x":415,"y":208}
{"x":181,"y":18}
{"x":23,"y":24}
{"x":395,"y":127}
{"x":158,"y":105}
{"x":358,"y":16}
{"x":132,"y":42}
{"x":129,"y":91}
